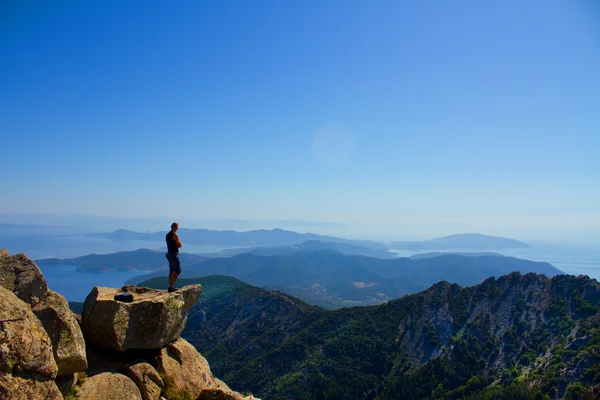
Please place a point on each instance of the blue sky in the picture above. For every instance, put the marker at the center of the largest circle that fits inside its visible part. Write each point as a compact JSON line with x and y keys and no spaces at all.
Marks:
{"x":411,"y":118}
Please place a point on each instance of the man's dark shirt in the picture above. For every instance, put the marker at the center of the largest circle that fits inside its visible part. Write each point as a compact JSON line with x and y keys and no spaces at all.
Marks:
{"x":172,"y":244}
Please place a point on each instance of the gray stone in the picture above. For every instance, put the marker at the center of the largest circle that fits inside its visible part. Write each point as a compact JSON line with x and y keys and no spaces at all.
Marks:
{"x":24,"y":343}
{"x":147,"y":380}
{"x":219,"y":394}
{"x":154,"y":319}
{"x":64,"y":332}
{"x":22,"y":276}
{"x":28,"y":387}
{"x":109,"y":386}
{"x":186,"y":368}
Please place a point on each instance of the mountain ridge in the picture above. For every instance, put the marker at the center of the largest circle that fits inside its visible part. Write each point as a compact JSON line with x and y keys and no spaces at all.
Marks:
{"x":432,"y":344}
{"x":334,"y":280}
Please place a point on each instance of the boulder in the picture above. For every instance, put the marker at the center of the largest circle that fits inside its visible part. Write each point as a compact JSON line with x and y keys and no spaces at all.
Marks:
{"x":220,"y":394}
{"x":64,"y":332}
{"x":24,"y":344}
{"x":147,"y":380}
{"x":28,"y":387}
{"x":109,"y":386}
{"x":186,"y":369}
{"x":66,"y":382}
{"x":152,"y":320}
{"x":21,"y":276}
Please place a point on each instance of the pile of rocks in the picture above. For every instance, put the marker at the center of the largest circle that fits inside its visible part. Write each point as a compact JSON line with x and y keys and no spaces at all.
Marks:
{"x":129,"y":351}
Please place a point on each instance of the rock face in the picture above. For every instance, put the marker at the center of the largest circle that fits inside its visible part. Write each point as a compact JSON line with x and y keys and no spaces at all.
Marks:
{"x":28,"y":387}
{"x":24,"y":344}
{"x":109,"y":386}
{"x":64,"y":331}
{"x":147,"y":380}
{"x":187,"y":369}
{"x":27,"y":366}
{"x":154,"y":319}
{"x":21,"y":276}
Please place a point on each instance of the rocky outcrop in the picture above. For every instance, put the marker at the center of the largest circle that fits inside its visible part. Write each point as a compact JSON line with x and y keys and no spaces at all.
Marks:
{"x":64,"y":331}
{"x":147,"y":380}
{"x":43,"y":347}
{"x":24,"y":344}
{"x":109,"y":386}
{"x":186,"y":368}
{"x":39,"y":336}
{"x":154,"y":319}
{"x":22,"y":276}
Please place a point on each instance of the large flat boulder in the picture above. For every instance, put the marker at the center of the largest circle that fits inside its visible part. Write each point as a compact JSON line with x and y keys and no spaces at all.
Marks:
{"x":22,"y":276}
{"x":64,"y":332}
{"x":152,"y":320}
{"x":147,"y":380}
{"x":109,"y":386}
{"x":186,"y":369}
{"x":28,"y":387}
{"x":24,"y":343}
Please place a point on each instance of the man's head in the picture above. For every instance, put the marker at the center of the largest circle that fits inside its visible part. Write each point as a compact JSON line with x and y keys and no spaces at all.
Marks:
{"x":174,"y":227}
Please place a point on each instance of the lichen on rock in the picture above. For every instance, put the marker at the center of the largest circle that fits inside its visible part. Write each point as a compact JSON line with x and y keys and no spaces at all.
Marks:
{"x":154,"y":318}
{"x":24,"y":344}
{"x":22,"y":276}
{"x":64,"y":332}
{"x":109,"y":386}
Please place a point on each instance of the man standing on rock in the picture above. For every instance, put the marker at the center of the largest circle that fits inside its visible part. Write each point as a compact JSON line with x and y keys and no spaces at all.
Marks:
{"x":173,"y":245}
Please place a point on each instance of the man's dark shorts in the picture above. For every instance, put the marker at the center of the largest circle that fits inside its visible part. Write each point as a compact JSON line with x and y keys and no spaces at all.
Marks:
{"x":174,"y":264}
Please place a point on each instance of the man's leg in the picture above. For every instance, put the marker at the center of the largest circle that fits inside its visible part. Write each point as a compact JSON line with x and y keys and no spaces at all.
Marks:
{"x":171,"y":270}
{"x":176,"y":270}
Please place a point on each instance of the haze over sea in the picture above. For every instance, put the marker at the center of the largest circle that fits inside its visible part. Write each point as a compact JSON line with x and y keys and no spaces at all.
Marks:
{"x":41,"y":242}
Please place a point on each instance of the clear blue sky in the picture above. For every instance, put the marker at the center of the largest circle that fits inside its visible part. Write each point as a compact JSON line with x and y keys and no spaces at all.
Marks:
{"x":394,"y":117}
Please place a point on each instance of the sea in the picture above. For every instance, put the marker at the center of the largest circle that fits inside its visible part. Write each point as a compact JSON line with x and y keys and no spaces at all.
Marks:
{"x":570,"y":258}
{"x":70,"y":243}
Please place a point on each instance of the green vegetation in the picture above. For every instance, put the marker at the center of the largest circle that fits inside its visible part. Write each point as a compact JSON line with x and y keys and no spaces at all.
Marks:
{"x":72,"y":394}
{"x":517,"y":337}
{"x":171,"y":392}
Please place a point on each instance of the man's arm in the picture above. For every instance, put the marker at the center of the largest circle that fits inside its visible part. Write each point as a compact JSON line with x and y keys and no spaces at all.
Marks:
{"x":176,"y":239}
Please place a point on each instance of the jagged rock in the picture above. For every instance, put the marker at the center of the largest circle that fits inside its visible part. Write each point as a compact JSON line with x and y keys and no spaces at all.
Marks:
{"x":154,"y":319}
{"x":219,"y":394}
{"x":186,"y":368}
{"x":64,"y":332}
{"x":24,"y":344}
{"x":21,"y":276}
{"x":28,"y":387}
{"x":109,"y":386}
{"x":147,"y":380}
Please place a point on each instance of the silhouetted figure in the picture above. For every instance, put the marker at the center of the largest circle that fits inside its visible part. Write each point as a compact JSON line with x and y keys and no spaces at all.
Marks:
{"x":173,"y":245}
